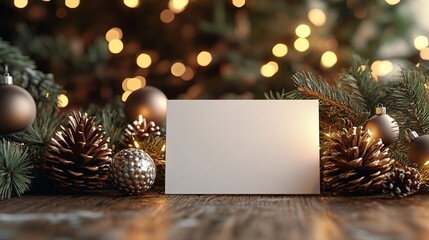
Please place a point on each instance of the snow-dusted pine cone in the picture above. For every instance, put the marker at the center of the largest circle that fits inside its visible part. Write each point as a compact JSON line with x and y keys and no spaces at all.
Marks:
{"x":352,"y":162}
{"x":402,"y":182}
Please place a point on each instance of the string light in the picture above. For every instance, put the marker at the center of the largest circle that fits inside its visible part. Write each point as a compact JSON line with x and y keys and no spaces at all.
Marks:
{"x":269,"y":69}
{"x":188,"y":74}
{"x":115,"y":46}
{"x":328,"y":59}
{"x":381,"y":68}
{"x":144,"y":60}
{"x":132,"y":3}
{"x":113,"y":33}
{"x":167,"y":16}
{"x":280,"y":50}
{"x":72,"y":3}
{"x":317,"y":17}
{"x":421,"y":42}
{"x":204,"y":58}
{"x":424,"y":53}
{"x":178,"y":69}
{"x":177,"y":6}
{"x":125,"y":84}
{"x":62,"y":101}
{"x":238,"y":3}
{"x":20,"y":3}
{"x":303,"y":31}
{"x":392,"y":2}
{"x":125,"y":95}
{"x":134,"y":84}
{"x":301,"y":44}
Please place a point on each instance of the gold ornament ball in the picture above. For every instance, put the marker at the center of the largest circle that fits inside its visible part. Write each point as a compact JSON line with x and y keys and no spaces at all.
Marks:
{"x":383,"y":126}
{"x":17,"y":109}
{"x":150,"y":102}
{"x":418,"y":150}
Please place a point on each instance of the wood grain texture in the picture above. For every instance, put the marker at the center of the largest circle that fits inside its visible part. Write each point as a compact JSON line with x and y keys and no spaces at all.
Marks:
{"x":109,"y":215}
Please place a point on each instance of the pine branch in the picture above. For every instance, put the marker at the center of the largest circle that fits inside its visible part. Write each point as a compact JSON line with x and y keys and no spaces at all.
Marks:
{"x":15,"y":170}
{"x":410,"y":101}
{"x":13,"y":57}
{"x":307,"y":84}
{"x":41,"y":86}
{"x":360,"y":85}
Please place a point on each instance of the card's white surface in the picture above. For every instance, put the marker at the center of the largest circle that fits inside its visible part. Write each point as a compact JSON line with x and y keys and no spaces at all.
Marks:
{"x":242,"y":147}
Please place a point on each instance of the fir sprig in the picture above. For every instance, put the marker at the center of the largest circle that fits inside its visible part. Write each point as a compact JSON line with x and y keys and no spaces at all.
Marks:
{"x":409,"y":100}
{"x":358,"y":82}
{"x":15,"y":170}
{"x":13,"y":57}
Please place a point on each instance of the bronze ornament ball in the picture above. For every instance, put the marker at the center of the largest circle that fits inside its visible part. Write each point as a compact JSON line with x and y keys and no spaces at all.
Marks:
{"x":418,"y":150}
{"x":150,"y":102}
{"x":17,"y":109}
{"x":383,"y":126}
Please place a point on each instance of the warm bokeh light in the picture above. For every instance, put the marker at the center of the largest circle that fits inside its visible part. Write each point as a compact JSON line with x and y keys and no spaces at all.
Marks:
{"x":317,"y":17}
{"x":303,"y":31}
{"x":381,"y":68}
{"x":142,"y":81}
{"x":167,"y":16}
{"x":72,"y":3}
{"x":62,"y":101}
{"x":421,"y":42}
{"x":392,"y":2}
{"x":132,"y":3}
{"x":178,"y":69}
{"x":279,"y":50}
{"x":20,"y":3}
{"x":204,"y":58}
{"x":113,"y":33}
{"x":177,"y":6}
{"x":269,"y":69}
{"x":125,"y":95}
{"x":328,"y":59}
{"x":116,"y":46}
{"x":125,"y":83}
{"x":424,"y":53}
{"x":188,"y":74}
{"x":144,"y":60}
{"x":301,"y":44}
{"x":133,"y":84}
{"x":238,"y":3}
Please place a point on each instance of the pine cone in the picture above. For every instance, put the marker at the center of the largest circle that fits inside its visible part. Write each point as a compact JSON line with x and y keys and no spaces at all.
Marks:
{"x":78,"y":157}
{"x":402,"y":182}
{"x":139,"y":131}
{"x":353,"y":163}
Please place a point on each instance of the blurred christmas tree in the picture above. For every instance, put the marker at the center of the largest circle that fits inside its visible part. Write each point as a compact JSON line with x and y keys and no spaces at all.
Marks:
{"x":202,"y":49}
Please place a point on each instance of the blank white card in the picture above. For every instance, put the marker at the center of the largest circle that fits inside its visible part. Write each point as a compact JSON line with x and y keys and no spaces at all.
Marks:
{"x":242,"y":147}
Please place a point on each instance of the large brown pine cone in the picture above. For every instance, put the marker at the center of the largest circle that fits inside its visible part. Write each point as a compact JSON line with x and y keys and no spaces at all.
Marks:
{"x":78,"y":156}
{"x":402,"y":182}
{"x":354,"y":163}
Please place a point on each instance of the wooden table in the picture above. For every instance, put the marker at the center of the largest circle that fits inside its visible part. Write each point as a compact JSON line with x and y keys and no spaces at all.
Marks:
{"x":108,"y":215}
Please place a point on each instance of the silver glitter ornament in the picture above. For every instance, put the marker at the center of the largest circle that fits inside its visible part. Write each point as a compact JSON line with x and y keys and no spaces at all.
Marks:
{"x":133,"y":171}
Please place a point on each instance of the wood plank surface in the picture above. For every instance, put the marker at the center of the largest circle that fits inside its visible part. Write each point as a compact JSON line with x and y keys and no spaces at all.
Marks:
{"x":108,"y":215}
